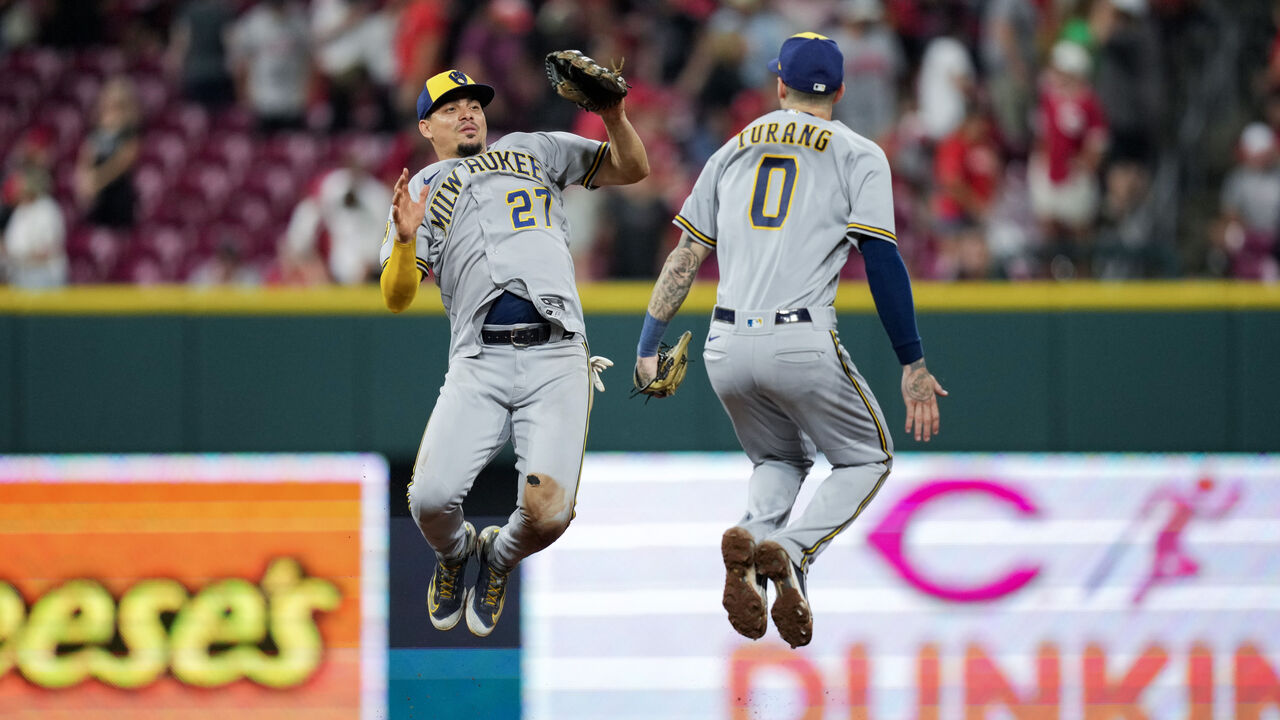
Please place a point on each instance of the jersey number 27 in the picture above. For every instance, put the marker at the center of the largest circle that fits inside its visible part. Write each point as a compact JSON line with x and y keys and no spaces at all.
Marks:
{"x":761,"y":191}
{"x":523,"y":210}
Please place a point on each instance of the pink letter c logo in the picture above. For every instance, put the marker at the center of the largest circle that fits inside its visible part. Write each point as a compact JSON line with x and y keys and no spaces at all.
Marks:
{"x":887,"y":538}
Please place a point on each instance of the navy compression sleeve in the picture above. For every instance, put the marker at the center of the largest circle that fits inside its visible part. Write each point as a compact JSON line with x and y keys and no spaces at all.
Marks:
{"x":891,"y":289}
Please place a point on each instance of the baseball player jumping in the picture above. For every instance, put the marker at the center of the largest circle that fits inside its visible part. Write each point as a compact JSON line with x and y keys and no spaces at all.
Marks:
{"x":784,"y":201}
{"x":488,"y":221}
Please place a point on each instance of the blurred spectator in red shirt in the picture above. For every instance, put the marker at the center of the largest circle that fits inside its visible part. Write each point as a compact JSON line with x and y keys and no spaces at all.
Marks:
{"x":1245,"y":244}
{"x":104,"y":170}
{"x":1271,"y":75}
{"x":967,"y":170}
{"x":1062,"y":173}
{"x":421,"y":27}
{"x":917,"y":22}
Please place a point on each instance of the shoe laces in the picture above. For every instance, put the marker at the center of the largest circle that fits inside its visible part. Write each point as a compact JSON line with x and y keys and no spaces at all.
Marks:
{"x":448,"y":579}
{"x":493,"y":591}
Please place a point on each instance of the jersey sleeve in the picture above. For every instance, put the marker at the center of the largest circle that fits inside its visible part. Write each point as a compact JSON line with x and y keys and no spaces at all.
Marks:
{"x":698,"y":214}
{"x":568,"y":159}
{"x":422,"y":248}
{"x":872,"y":203}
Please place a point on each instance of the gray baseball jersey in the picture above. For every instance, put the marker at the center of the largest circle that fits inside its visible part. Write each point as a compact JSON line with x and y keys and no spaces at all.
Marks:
{"x":792,"y":193}
{"x":782,"y":203}
{"x":494,"y":223}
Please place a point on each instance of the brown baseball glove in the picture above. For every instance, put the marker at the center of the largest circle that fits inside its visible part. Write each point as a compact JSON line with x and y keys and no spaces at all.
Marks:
{"x":673,"y":363}
{"x":586,"y":82}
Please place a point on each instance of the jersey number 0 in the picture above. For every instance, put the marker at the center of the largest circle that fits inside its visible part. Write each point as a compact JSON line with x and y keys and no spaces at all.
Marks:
{"x":761,"y":191}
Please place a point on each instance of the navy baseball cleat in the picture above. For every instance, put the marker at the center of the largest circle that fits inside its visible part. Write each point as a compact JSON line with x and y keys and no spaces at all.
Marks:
{"x":745,"y":591}
{"x":791,"y":613}
{"x":446,"y":594}
{"x":485,"y":598}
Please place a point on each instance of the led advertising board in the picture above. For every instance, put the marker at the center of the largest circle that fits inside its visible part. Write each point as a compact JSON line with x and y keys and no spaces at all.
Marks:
{"x":193,"y":586}
{"x":1024,"y":587}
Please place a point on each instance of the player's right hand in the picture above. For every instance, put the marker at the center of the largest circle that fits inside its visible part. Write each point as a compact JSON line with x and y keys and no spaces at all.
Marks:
{"x":646,"y":369}
{"x":406,"y":212}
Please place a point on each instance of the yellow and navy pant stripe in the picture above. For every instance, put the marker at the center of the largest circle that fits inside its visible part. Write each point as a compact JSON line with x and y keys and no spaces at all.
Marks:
{"x":808,"y":553}
{"x":884,"y":445}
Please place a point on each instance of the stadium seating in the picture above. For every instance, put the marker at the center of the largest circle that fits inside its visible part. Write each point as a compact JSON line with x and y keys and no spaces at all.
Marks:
{"x":204,"y":179}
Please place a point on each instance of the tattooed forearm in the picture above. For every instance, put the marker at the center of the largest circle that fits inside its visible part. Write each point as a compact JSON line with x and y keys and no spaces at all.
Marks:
{"x":918,"y":384}
{"x":674,"y":282}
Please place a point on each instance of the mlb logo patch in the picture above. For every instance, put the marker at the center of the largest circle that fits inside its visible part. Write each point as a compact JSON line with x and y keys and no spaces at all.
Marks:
{"x":755,"y":322}
{"x":819,"y":87}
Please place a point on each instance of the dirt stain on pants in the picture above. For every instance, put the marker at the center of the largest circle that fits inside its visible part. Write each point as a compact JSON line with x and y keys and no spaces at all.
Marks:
{"x":544,"y":508}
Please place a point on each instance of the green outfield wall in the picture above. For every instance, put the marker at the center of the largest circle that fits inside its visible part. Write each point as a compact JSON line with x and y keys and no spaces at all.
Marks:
{"x":1183,"y":367}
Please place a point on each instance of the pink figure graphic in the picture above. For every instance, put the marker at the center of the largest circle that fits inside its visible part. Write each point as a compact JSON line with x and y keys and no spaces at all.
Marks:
{"x":1170,"y":561}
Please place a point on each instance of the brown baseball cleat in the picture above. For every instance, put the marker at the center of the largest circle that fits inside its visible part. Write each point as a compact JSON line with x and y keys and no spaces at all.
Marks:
{"x":791,"y":614}
{"x":744,"y":589}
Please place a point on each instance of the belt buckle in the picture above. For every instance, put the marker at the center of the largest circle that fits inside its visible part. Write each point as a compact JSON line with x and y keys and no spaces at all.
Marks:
{"x":790,"y":317}
{"x":530,"y":336}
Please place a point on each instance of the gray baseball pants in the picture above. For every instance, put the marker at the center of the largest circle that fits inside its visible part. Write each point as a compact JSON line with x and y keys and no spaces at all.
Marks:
{"x":790,"y":388}
{"x":539,"y":396}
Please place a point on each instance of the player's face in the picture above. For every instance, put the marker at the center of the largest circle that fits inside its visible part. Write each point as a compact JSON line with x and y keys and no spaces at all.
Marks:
{"x":456,"y":128}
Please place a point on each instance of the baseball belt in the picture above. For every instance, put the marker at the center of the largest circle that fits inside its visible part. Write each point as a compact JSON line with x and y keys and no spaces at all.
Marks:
{"x":782,"y":317}
{"x":523,"y":336}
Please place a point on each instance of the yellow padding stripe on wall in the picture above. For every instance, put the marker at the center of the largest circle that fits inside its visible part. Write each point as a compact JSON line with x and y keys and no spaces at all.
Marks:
{"x":626,"y":298}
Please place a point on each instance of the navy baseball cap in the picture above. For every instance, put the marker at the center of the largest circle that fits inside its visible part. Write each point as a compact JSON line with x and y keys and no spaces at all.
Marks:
{"x":447,"y":86}
{"x":810,"y":63}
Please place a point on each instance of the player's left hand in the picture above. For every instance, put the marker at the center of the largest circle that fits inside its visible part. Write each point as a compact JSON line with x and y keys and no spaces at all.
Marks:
{"x":613,"y":111}
{"x":598,"y":364}
{"x":920,"y":391}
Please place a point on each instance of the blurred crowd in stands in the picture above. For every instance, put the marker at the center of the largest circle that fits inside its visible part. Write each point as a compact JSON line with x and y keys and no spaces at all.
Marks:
{"x":254,"y":142}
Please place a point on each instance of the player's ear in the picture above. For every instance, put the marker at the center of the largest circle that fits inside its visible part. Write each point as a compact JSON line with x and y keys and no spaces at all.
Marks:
{"x":839,"y":93}
{"x":425,"y":129}
{"x":782,"y":90}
